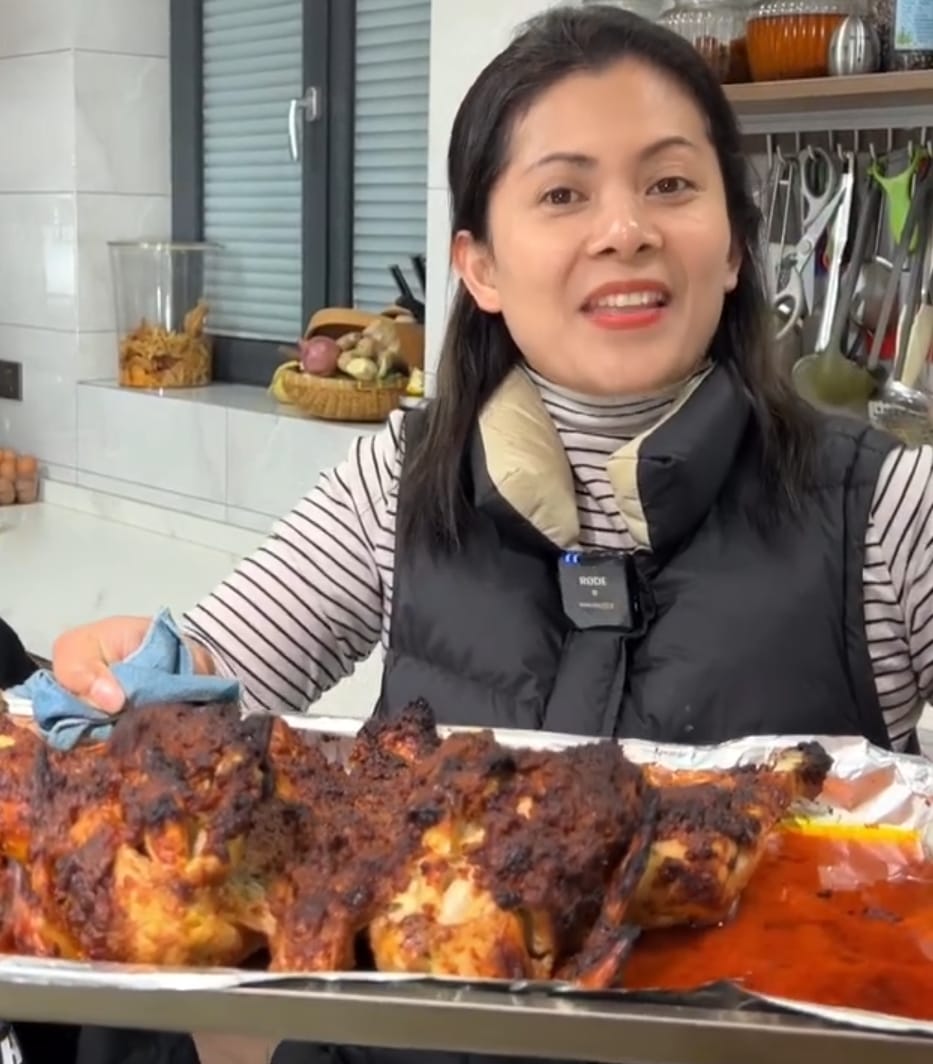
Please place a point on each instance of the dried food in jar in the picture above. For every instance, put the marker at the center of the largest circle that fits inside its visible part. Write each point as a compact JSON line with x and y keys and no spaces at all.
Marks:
{"x":781,"y":47}
{"x":728,"y":59}
{"x":716,"y":29}
{"x":152,"y":356}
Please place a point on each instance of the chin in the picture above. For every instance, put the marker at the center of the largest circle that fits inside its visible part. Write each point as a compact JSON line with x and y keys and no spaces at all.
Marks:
{"x":616,"y":380}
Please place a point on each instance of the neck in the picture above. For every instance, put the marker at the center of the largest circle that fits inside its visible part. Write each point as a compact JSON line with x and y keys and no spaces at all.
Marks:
{"x":614,"y":417}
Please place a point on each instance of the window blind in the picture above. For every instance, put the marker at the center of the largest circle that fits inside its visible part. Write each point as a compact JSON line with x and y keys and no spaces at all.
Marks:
{"x":252,"y":56}
{"x":391,"y":144}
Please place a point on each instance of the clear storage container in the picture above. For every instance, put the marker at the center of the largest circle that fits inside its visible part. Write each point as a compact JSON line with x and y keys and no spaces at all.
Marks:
{"x":161,"y":313}
{"x":716,"y":28}
{"x":790,"y":38}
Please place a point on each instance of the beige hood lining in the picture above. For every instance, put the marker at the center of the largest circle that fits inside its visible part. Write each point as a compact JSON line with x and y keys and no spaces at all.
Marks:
{"x":527,"y":464}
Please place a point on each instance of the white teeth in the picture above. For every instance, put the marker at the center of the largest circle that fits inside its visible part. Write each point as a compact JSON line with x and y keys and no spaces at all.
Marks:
{"x":630,"y":299}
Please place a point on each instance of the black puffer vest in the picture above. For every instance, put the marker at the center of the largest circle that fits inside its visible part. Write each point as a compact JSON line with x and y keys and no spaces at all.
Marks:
{"x":750,"y":634}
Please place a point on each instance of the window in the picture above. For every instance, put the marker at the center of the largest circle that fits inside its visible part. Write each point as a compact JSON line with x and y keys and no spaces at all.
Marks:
{"x":312,"y":213}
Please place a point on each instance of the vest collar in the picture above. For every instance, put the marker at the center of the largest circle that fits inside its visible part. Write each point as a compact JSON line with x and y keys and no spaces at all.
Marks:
{"x":665,"y":480}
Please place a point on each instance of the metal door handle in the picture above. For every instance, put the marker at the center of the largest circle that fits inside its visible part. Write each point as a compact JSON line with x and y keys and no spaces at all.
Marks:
{"x":310,"y":103}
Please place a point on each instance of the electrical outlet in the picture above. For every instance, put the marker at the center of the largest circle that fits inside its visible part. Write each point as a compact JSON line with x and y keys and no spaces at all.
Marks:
{"x":11,"y":380}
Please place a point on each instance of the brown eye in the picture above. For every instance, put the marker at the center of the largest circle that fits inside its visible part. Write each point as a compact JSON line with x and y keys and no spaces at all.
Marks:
{"x":672,"y":186}
{"x":560,"y":197}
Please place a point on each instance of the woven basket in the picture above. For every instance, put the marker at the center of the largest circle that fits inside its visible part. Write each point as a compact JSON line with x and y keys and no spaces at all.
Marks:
{"x":340,"y":398}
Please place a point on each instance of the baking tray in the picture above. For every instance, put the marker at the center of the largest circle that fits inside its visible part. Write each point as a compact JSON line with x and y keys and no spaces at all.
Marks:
{"x":422,"y":1015}
{"x":718,"y":1024}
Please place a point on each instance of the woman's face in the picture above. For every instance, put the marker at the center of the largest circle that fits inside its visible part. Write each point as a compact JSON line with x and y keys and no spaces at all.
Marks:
{"x":610,"y":250}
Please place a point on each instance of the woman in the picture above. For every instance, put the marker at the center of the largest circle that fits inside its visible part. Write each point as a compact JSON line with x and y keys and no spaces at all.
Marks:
{"x":607,"y":386}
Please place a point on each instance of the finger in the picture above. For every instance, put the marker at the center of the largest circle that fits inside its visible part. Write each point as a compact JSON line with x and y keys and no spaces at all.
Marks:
{"x":78,"y":665}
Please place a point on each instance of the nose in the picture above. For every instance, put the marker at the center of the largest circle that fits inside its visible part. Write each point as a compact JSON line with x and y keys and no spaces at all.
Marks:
{"x":623,"y":227}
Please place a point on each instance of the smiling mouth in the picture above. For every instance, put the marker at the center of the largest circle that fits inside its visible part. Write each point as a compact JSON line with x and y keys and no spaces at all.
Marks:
{"x":628,"y":301}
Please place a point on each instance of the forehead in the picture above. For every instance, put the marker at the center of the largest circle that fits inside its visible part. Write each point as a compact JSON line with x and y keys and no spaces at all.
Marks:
{"x":619,"y":109}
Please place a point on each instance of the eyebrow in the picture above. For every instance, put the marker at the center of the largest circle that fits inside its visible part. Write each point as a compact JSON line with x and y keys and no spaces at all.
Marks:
{"x":587,"y":162}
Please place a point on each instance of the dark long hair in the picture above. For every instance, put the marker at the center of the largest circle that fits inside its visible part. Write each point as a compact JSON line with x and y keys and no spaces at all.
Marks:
{"x":478,"y":350}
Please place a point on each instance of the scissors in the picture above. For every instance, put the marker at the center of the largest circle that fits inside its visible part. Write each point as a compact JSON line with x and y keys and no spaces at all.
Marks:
{"x":790,"y":299}
{"x":820,"y":177}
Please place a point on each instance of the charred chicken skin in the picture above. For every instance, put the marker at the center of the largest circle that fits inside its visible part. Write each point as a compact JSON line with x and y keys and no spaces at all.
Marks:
{"x":195,"y":836}
{"x":711,"y":834}
{"x":514,"y":862}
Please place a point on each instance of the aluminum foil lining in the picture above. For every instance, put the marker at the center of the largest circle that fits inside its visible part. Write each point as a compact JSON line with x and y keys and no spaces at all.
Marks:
{"x":886,"y":788}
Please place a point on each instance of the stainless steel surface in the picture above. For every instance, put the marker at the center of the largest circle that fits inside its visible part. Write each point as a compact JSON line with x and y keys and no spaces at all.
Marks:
{"x":472,"y":1021}
{"x":854,"y":48}
{"x":821,"y":191}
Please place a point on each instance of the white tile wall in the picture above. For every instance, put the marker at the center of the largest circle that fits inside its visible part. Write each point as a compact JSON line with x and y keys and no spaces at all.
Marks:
{"x":226,"y":453}
{"x":36,"y":26}
{"x":37,"y":118}
{"x":128,"y":439}
{"x":37,"y":262}
{"x":84,"y":108}
{"x":273,"y":461}
{"x":46,"y":424}
{"x":122,"y":129}
{"x":459,"y":51}
{"x":134,"y":27}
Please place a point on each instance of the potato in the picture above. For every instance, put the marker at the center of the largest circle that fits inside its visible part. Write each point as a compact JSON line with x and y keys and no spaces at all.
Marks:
{"x":366,"y":348}
{"x":349,"y":340}
{"x":361,"y":369}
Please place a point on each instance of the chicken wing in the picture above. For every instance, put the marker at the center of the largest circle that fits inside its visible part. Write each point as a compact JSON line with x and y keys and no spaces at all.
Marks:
{"x":711,"y":834}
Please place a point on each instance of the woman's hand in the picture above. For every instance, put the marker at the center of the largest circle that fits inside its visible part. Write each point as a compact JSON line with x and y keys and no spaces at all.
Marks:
{"x":81,"y":658}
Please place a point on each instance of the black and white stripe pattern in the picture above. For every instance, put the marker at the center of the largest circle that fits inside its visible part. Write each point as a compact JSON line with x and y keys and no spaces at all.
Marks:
{"x":299,"y":613}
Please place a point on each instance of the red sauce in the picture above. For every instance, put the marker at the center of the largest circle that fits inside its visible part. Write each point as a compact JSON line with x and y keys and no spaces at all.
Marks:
{"x":837,"y":921}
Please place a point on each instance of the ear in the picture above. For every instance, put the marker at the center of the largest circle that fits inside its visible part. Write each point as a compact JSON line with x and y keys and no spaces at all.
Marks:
{"x":733,"y":265}
{"x":474,"y":263}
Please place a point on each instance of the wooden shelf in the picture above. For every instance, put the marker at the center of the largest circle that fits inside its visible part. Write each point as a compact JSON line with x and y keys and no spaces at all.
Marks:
{"x":863,"y":96}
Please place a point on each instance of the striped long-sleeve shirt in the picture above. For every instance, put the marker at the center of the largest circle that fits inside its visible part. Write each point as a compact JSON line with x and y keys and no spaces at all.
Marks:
{"x":315,"y":598}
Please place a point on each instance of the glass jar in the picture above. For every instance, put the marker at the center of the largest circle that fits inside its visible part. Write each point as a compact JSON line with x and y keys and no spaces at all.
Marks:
{"x":790,"y":38}
{"x":881,"y":13}
{"x":161,"y":313}
{"x":648,"y":9}
{"x":716,"y":28}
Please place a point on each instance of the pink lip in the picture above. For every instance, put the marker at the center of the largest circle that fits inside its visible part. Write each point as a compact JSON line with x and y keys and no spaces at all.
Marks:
{"x":625,"y":318}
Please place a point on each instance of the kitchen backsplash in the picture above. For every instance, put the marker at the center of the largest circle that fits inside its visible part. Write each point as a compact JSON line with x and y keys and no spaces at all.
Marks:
{"x":84,"y":106}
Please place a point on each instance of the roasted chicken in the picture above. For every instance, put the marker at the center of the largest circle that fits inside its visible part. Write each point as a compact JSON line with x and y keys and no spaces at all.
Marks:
{"x":195,"y":836}
{"x":515,"y":863}
{"x":712,"y":831}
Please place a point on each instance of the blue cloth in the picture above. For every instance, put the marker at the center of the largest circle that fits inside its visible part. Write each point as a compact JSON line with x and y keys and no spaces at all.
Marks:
{"x":161,"y":670}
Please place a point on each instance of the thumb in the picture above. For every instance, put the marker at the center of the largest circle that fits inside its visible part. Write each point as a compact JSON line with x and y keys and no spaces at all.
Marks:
{"x":103,"y":691}
{"x":78,"y":664}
